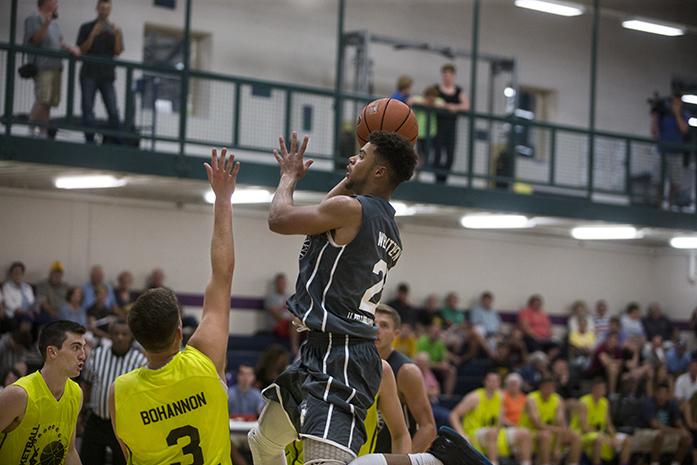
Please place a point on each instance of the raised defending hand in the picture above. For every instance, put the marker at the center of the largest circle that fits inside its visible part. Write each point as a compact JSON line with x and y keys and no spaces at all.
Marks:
{"x":222,"y":174}
{"x":292,"y":163}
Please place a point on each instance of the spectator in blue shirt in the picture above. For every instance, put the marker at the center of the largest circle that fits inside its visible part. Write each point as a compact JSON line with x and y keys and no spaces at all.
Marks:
{"x":678,"y":358}
{"x":244,"y":400}
{"x":89,"y":290}
{"x":403,"y":90}
{"x":485,"y":319}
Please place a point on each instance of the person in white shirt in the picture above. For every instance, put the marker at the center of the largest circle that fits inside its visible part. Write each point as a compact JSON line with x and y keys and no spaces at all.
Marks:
{"x":18,"y":295}
{"x":686,"y":384}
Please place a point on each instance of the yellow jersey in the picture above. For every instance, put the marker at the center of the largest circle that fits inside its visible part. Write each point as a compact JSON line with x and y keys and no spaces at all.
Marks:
{"x":546,"y":409}
{"x":294,"y":450}
{"x":45,"y":432}
{"x":486,"y":414}
{"x":175,"y":414}
{"x":596,"y":414}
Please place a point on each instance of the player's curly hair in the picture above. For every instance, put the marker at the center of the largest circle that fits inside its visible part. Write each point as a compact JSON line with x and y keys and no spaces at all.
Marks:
{"x":397,"y":153}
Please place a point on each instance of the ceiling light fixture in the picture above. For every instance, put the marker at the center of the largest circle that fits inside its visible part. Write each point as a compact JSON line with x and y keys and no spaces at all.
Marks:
{"x":593,"y":233}
{"x":89,"y":182}
{"x":684,"y":242}
{"x":654,"y":27}
{"x":244,"y":196}
{"x":485,"y":221}
{"x":554,"y":7}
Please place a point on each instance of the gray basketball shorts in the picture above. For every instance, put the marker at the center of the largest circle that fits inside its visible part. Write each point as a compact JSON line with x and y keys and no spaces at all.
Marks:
{"x":329,"y":388}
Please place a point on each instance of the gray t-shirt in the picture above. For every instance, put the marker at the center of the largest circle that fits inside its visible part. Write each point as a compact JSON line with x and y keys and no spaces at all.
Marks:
{"x":52,"y":40}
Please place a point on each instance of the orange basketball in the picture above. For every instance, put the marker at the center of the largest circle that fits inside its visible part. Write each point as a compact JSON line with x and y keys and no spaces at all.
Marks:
{"x":386,"y":114}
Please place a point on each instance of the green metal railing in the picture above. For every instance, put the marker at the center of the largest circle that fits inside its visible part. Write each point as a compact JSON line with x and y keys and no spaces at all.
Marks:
{"x":248,"y":114}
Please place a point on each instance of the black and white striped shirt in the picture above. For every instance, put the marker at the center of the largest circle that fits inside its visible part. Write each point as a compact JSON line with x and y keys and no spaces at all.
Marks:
{"x":102,"y":368}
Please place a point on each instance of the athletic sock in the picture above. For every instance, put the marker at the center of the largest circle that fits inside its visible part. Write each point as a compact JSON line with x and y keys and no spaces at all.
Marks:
{"x":424,"y":458}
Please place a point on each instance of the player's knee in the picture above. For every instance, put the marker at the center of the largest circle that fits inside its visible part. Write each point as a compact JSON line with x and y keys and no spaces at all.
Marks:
{"x":522,"y":435}
{"x":492,"y":435}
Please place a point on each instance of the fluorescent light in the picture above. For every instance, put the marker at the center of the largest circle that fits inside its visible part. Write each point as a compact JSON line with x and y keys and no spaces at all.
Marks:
{"x":690,"y":98}
{"x":509,"y":92}
{"x":89,"y":182}
{"x":483,"y":221}
{"x":692,"y":122}
{"x":402,"y":209}
{"x":552,"y":6}
{"x":653,"y":27}
{"x":591,"y":233}
{"x":251,"y":195}
{"x":684,"y":242}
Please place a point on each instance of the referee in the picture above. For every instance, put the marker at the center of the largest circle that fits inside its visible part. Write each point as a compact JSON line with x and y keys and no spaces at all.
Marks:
{"x":103,"y":366}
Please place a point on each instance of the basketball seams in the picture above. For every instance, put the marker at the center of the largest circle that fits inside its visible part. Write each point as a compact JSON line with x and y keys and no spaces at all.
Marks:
{"x":384,"y":112}
{"x":365,"y":119}
{"x":405,"y":120}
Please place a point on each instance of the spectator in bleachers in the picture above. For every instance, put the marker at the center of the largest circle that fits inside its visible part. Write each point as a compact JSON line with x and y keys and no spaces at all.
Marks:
{"x":401,"y":303}
{"x":486,"y":319}
{"x":100,"y":314}
{"x":534,"y":370}
{"x":616,"y":327}
{"x":678,"y":358}
{"x":428,"y":124}
{"x":426,"y":314}
{"x":536,"y":326}
{"x":271,"y":364}
{"x":518,"y":351}
{"x":686,"y":384}
{"x":631,"y":322}
{"x":545,"y":415}
{"x":469,"y":344}
{"x":440,"y":413}
{"x":432,"y":343}
{"x":607,"y":361}
{"x":478,"y":417}
{"x":513,"y":400}
{"x":41,"y":31}
{"x":9,"y":377}
{"x":653,"y":352}
{"x":568,"y":385}
{"x":51,"y":293}
{"x":89,"y":289}
{"x":635,"y":371}
{"x":155,"y":279}
{"x":245,"y":400}
{"x":581,"y":342}
{"x":502,"y":361}
{"x":690,"y":417}
{"x":451,"y":314}
{"x":592,"y":421}
{"x":123,"y":293}
{"x":657,"y":324}
{"x":280,"y":318}
{"x":103,"y":366}
{"x":601,"y":321}
{"x":15,"y":346}
{"x":403,"y":89}
{"x":663,"y":429}
{"x":579,"y":310}
{"x":73,"y":310}
{"x":17,"y":294}
{"x":99,"y":38}
{"x":444,"y":144}
{"x":405,"y":341}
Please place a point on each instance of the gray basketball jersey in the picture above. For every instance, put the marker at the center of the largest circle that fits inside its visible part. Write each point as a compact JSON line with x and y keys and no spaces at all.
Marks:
{"x":339,"y":286}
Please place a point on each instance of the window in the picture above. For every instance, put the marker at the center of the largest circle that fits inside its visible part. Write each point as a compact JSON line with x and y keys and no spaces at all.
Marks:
{"x":164,"y":45}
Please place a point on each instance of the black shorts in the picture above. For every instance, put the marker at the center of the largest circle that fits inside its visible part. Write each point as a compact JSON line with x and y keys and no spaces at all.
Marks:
{"x":327,"y":391}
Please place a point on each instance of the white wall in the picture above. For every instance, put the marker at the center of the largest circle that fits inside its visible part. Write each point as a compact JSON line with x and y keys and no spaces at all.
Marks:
{"x":39,"y":227}
{"x":295,"y":41}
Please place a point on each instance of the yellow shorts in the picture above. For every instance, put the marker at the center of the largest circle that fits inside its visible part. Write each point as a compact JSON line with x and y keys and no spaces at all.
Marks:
{"x":505,"y":440}
{"x":47,"y":87}
{"x":607,"y":452}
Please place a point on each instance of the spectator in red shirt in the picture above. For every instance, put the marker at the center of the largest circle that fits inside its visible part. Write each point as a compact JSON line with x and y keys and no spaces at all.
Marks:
{"x":535,"y":324}
{"x":607,"y":361}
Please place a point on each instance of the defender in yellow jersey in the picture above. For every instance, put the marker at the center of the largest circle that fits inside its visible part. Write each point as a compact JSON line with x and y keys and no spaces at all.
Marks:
{"x":598,"y":436}
{"x":544,"y":415}
{"x":479,"y":417}
{"x":385,"y":408}
{"x":39,"y":411}
{"x":174,"y":410}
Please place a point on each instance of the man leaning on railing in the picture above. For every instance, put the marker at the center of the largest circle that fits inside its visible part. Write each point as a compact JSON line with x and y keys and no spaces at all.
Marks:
{"x":41,"y":30}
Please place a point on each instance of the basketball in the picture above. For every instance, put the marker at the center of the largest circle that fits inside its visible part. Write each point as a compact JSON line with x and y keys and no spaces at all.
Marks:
{"x":387,"y":114}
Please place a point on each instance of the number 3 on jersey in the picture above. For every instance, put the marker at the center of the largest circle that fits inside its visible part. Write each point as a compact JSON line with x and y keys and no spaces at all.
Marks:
{"x":194,"y":446}
{"x":371,"y":298}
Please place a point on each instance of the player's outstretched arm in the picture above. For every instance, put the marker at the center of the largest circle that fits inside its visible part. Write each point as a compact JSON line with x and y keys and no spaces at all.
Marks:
{"x":333,"y":213}
{"x":14,"y":402}
{"x":391,"y":410}
{"x":414,"y":392}
{"x":211,"y":336}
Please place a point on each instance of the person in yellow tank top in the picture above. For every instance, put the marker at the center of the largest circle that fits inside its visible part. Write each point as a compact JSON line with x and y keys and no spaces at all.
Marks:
{"x":39,"y":411}
{"x":592,"y":420}
{"x":545,"y":416}
{"x":174,"y":410}
{"x":479,"y":416}
{"x":387,"y":406}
